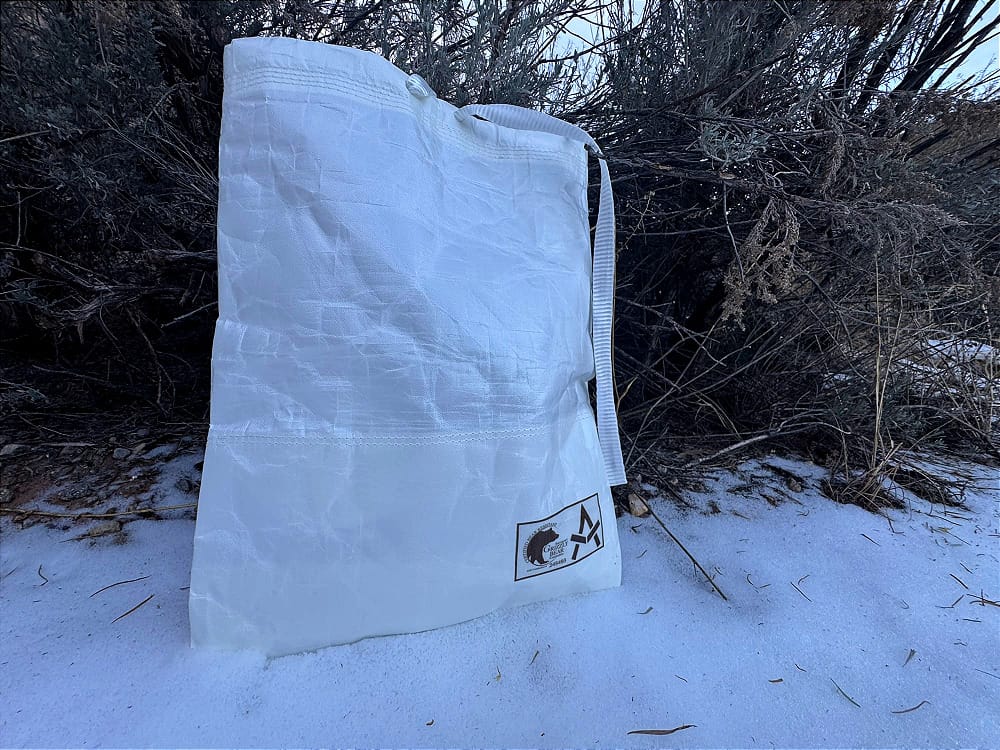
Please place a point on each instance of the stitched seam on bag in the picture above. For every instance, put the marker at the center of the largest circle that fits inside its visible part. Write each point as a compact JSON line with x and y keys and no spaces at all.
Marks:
{"x":391,"y":441}
{"x":389,"y":99}
{"x":383,"y":94}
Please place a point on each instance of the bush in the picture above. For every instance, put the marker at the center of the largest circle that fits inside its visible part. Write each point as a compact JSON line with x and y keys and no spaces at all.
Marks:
{"x":807,"y":220}
{"x":109,"y":114}
{"x":803,"y":218}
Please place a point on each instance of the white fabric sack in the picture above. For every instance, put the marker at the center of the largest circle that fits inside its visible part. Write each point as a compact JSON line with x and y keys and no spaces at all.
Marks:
{"x":401,"y":434}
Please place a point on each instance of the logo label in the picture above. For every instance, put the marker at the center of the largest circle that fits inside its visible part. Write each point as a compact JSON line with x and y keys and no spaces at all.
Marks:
{"x":563,"y":539}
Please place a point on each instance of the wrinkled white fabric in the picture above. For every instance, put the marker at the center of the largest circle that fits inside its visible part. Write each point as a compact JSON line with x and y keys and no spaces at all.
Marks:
{"x":401,"y":434}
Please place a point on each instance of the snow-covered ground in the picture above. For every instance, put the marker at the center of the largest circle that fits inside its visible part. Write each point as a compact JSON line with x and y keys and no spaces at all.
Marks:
{"x":836,"y":624}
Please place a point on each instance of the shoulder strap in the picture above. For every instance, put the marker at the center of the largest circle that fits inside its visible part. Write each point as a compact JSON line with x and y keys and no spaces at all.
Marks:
{"x":603,"y":290}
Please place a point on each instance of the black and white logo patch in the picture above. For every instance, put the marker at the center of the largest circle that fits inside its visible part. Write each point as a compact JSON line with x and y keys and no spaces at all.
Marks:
{"x":560,"y":540}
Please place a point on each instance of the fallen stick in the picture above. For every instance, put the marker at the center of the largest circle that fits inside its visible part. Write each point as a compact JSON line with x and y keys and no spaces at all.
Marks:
{"x":119,"y":583}
{"x":132,"y":610}
{"x":137,"y":511}
{"x":729,"y":449}
{"x":690,"y":556}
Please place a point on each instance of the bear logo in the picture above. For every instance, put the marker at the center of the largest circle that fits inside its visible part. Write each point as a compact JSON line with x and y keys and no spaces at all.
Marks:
{"x":535,"y":549}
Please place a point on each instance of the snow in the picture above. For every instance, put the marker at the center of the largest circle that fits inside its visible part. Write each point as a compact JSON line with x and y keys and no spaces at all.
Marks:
{"x":578,"y":671}
{"x":952,"y":351}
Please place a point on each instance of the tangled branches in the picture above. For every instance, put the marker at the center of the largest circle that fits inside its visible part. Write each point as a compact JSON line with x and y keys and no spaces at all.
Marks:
{"x":807,"y":202}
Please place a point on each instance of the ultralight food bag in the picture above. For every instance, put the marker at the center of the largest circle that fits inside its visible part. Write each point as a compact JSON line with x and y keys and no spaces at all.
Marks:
{"x":409,"y":315}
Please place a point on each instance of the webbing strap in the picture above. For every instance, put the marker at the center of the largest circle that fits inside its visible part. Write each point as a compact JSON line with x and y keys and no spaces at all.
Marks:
{"x":603,"y":290}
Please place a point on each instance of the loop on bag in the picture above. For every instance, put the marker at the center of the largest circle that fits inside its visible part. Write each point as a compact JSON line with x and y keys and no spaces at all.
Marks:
{"x":417,"y":86}
{"x":603,"y":289}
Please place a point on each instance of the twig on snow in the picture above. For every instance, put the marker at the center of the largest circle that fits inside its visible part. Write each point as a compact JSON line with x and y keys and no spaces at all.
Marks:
{"x":137,"y":511}
{"x":690,"y":556}
{"x":119,"y":583}
{"x":126,"y":614}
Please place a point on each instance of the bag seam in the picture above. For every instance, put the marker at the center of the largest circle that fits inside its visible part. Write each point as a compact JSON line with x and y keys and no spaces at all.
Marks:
{"x":457,"y":438}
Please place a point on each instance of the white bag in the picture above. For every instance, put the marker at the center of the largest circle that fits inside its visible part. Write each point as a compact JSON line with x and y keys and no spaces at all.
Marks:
{"x":401,"y":432}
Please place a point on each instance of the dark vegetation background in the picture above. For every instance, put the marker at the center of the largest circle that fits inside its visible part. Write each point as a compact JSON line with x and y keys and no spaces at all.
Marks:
{"x":809,"y":252}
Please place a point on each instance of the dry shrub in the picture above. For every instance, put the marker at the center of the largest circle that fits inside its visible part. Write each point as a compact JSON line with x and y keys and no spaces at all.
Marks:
{"x":806,"y":204}
{"x":810,"y":226}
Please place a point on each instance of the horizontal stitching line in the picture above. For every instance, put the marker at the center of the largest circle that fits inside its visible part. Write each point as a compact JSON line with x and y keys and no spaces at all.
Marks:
{"x":456,"y":438}
{"x":296,"y":77}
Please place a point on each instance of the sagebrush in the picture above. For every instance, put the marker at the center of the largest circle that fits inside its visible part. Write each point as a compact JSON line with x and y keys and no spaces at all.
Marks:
{"x":808,"y":234}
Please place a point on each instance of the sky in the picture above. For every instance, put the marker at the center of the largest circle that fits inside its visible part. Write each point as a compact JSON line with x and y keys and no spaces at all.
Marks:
{"x":986,"y":55}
